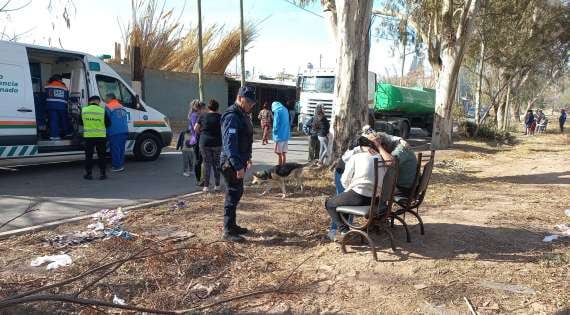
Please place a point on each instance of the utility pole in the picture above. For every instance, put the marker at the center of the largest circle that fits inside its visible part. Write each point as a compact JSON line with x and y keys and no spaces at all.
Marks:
{"x":200,"y":53}
{"x":137,"y":68}
{"x":320,"y":61}
{"x":241,"y":42}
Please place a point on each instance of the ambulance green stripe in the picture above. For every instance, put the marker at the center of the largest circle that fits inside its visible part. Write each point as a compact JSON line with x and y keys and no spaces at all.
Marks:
{"x":12,"y":151}
{"x":23,"y":151}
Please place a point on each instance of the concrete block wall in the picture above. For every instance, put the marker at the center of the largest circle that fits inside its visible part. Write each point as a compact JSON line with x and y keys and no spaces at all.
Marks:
{"x":171,"y":92}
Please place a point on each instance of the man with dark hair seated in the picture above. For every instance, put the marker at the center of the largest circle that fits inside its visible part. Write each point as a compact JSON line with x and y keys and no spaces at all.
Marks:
{"x":407,"y":161}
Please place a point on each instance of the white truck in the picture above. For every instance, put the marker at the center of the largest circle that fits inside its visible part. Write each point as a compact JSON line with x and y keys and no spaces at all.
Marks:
{"x":316,"y":86}
{"x":24,"y":70}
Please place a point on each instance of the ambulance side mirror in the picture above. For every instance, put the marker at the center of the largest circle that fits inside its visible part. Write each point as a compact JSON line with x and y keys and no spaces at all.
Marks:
{"x":138,"y":104}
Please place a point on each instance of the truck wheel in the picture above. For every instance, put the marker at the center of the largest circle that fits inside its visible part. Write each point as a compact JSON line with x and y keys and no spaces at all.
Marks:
{"x":147,"y":147}
{"x":405,"y":130}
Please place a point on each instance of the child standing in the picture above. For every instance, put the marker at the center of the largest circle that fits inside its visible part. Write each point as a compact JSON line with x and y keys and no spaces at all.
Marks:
{"x":187,"y":147}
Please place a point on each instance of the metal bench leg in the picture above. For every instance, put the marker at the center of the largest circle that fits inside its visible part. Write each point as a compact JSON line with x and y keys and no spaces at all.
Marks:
{"x":390,"y":235}
{"x":362,"y":234}
{"x":415,"y":214}
{"x":408,"y":237}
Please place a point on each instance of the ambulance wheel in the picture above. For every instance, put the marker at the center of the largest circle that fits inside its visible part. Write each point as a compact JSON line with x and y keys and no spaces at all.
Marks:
{"x":147,"y":147}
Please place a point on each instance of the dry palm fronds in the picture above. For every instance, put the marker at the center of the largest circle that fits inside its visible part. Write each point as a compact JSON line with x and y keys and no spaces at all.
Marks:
{"x":163,"y":47}
{"x":185,"y":58}
{"x":156,"y":31}
{"x":217,"y":59}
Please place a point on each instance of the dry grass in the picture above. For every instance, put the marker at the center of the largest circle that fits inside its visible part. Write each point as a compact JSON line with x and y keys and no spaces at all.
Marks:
{"x":485,"y":214}
{"x":166,"y":46}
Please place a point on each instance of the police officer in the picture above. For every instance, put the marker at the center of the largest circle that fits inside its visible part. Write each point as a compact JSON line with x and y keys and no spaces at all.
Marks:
{"x":57,"y":97}
{"x":95,"y":122}
{"x":237,"y":140}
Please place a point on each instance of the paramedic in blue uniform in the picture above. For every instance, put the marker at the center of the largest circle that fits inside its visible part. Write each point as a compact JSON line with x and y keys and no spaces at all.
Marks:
{"x":57,"y":97}
{"x":118,"y":132}
{"x":237,"y":140}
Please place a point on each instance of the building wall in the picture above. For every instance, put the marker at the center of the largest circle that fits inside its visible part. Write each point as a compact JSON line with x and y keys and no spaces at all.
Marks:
{"x":171,"y":92}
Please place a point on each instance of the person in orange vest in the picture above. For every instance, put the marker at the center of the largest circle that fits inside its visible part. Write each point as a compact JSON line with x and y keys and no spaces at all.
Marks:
{"x":57,"y":97}
{"x":117,"y":132}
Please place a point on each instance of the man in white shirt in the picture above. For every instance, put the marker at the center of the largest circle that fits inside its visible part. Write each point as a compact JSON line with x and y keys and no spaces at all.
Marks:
{"x":358,"y":181}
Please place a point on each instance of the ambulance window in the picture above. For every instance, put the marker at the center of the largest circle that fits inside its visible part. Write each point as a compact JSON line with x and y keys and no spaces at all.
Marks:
{"x":108,"y":85}
{"x":127,"y":99}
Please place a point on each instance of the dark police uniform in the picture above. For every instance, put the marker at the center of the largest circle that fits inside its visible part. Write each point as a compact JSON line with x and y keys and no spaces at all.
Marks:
{"x":237,"y":140}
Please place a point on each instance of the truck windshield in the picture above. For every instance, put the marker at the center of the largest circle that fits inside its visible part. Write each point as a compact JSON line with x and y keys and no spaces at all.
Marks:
{"x":318,"y":84}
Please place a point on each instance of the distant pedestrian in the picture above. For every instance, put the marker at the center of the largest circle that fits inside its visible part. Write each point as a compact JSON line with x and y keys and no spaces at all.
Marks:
{"x":281,"y":131}
{"x":266,"y":118}
{"x":210,"y":131}
{"x":313,"y":139}
{"x":118,"y":132}
{"x":528,"y":122}
{"x":95,"y":121}
{"x":322,"y":126}
{"x":562,"y":119}
{"x":292,"y":112}
{"x":196,"y":109}
{"x":237,"y":140}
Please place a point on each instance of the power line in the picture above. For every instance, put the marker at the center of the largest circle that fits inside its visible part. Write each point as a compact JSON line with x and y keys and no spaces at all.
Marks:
{"x":300,"y":7}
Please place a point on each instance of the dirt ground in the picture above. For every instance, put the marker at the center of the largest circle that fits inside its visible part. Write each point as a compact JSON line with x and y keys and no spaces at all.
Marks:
{"x":486,"y":213}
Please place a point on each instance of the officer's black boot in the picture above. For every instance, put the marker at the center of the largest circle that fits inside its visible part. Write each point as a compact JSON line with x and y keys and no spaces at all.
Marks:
{"x":239,"y":230}
{"x":88,"y":176}
{"x":233,"y":237}
{"x":103,"y":175}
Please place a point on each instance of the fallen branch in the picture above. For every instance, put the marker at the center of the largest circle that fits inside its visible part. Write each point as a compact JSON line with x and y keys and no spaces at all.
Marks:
{"x":92,"y":283}
{"x":29,"y":209}
{"x":277,"y":288}
{"x":470,"y":306}
{"x":74,"y":300}
{"x":30,"y":296}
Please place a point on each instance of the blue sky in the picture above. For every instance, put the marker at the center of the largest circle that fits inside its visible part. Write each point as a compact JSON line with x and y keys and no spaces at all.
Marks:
{"x":288,"y":38}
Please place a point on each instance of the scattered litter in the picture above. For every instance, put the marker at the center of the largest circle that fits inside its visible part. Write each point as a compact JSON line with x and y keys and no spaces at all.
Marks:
{"x":73,"y":239}
{"x":179,"y":205}
{"x":564,"y":228}
{"x":99,"y":226}
{"x":567,"y":212}
{"x":168,"y":233}
{"x":110,"y":216}
{"x":200,"y":288}
{"x":420,"y":286}
{"x":118,"y":300}
{"x":515,"y":288}
{"x":55,"y":261}
{"x":550,"y":238}
{"x":118,"y":233}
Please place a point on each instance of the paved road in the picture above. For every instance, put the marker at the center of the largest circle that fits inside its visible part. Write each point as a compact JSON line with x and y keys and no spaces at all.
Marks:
{"x":59,"y":191}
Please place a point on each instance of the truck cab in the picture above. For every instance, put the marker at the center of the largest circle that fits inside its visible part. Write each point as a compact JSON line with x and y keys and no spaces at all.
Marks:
{"x":316,"y":86}
{"x":24,"y":122}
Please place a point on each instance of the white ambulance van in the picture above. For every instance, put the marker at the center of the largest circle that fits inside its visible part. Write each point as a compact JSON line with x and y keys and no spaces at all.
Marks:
{"x":24,"y":132}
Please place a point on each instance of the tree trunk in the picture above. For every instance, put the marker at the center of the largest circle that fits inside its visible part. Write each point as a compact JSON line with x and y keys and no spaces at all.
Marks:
{"x":517,"y":112}
{"x":351,"y":86}
{"x":479,"y":84}
{"x":501,"y":111}
{"x":444,"y":96}
{"x":453,"y":43}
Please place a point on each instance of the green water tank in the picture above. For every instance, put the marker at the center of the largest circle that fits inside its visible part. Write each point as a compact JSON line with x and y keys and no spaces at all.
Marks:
{"x":392,"y":98}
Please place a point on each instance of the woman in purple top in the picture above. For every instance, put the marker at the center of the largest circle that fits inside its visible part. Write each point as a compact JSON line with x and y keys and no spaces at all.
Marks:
{"x":196,"y":108}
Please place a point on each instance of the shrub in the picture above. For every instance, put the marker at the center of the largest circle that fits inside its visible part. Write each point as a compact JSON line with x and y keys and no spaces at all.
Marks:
{"x":486,"y":132}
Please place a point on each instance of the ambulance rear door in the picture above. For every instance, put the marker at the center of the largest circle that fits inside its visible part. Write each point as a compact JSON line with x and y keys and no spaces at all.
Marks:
{"x":18,"y":134}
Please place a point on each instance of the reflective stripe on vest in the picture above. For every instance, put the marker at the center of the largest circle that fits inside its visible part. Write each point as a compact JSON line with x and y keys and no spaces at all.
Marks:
{"x":56,"y":92}
{"x":93,"y":117}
